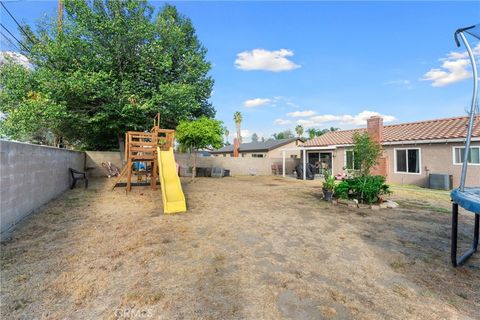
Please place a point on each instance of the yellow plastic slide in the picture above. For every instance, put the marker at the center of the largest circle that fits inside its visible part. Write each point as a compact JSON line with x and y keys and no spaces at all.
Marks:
{"x":172,"y":193}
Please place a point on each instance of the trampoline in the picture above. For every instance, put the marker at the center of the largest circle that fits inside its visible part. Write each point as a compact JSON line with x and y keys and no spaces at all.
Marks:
{"x":467,"y":198}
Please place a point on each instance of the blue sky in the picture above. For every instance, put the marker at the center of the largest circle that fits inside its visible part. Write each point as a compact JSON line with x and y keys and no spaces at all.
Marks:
{"x":324,"y":64}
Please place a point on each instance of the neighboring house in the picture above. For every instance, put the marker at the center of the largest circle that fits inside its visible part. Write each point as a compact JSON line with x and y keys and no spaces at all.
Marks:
{"x":266,"y":149}
{"x":411,"y":150}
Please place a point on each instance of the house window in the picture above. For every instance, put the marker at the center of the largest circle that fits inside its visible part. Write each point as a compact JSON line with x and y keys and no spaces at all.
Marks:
{"x":257,"y":155}
{"x":407,"y":160}
{"x":473,"y":155}
{"x":350,"y":162}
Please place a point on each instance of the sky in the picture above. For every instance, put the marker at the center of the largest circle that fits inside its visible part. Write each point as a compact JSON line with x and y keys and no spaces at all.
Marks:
{"x":323,"y":64}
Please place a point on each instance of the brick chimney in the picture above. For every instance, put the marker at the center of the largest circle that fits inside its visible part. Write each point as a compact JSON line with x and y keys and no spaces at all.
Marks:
{"x":375,"y":128}
{"x":236,"y":147}
{"x":375,"y":131}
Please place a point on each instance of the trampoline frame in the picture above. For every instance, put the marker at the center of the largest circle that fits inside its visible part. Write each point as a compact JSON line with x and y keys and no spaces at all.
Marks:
{"x":453,"y":252}
{"x":459,"y":261}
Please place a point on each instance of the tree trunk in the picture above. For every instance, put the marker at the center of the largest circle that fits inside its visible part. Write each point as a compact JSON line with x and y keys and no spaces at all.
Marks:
{"x":239,"y":133}
{"x":194,"y":170}
{"x":121,"y":146}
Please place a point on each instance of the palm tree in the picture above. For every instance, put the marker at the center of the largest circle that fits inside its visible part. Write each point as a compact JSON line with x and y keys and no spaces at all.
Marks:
{"x":312,"y":133}
{"x":237,"y":116}
{"x":299,"y":130}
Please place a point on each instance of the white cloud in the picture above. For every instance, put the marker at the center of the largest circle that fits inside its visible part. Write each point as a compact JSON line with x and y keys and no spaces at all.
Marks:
{"x":261,"y":59}
{"x":463,"y":55}
{"x":245,"y":133}
{"x":301,"y":114}
{"x":452,"y":71}
{"x":257,"y":102}
{"x":293,"y":105}
{"x":16,"y":57}
{"x":282,"y":122}
{"x":454,"y":68}
{"x":359,"y":119}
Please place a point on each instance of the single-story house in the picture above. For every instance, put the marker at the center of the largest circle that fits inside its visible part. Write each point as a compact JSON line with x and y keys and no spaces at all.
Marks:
{"x":263,"y":149}
{"x":411,"y":151}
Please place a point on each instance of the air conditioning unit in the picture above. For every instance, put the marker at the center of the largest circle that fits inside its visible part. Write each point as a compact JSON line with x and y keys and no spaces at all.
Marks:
{"x":440,"y":181}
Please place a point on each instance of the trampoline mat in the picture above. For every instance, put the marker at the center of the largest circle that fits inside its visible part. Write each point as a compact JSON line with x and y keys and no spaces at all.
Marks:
{"x":469,"y":199}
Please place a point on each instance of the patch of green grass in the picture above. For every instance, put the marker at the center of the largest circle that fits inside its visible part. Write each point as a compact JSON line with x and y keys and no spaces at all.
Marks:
{"x":418,"y":204}
{"x":413,"y":188}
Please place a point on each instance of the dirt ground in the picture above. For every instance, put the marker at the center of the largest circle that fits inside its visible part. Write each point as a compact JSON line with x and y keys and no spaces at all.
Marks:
{"x":248,"y":248}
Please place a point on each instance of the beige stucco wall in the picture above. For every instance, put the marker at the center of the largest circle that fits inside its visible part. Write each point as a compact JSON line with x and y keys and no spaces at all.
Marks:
{"x":277,"y":153}
{"x":435,"y":158}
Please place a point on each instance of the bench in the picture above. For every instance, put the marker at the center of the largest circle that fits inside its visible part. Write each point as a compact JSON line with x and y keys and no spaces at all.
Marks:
{"x":77,"y":175}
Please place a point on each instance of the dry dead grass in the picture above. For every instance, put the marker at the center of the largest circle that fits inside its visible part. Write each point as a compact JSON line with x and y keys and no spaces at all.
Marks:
{"x":249,"y":247}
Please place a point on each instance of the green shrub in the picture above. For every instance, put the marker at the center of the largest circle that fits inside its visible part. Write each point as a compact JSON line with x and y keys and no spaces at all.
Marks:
{"x":342,"y":190}
{"x":329,"y":183}
{"x":366,"y":189}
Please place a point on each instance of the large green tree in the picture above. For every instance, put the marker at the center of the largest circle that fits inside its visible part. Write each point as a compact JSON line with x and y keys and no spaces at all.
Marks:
{"x":287,"y":134}
{"x":110,"y":68}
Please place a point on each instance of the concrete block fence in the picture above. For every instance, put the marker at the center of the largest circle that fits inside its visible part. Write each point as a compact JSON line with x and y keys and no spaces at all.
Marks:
{"x":30,"y":176}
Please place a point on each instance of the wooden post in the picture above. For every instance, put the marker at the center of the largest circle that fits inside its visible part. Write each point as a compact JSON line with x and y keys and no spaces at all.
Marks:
{"x":283,"y":165}
{"x":126,"y":148}
{"x":154,"y":168}
{"x":153,"y":182}
{"x":304,"y":164}
{"x":129,"y":175}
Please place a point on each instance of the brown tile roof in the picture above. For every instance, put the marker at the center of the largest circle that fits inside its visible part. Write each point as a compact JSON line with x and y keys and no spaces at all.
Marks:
{"x":438,"y":129}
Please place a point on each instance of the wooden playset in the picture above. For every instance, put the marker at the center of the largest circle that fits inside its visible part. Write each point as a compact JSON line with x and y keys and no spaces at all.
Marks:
{"x":141,"y":153}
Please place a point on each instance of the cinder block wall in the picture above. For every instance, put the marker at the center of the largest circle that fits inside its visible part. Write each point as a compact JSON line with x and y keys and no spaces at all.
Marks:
{"x":239,"y":166}
{"x":30,"y":176}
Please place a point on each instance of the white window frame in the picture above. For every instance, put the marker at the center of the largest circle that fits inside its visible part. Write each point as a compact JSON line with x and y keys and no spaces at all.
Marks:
{"x":257,"y":155}
{"x":345,"y":160}
{"x":419,"y":161}
{"x":461,"y":163}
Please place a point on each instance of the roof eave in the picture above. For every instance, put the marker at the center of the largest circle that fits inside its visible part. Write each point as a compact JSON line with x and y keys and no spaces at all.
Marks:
{"x":425,"y":141}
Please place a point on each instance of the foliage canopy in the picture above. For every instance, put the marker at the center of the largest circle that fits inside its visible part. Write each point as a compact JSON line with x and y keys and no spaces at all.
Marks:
{"x":110,"y":69}
{"x":366,"y":151}
{"x":199,"y":134}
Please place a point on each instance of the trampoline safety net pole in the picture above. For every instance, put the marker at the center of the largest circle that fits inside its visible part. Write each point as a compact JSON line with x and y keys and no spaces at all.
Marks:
{"x":472,"y":111}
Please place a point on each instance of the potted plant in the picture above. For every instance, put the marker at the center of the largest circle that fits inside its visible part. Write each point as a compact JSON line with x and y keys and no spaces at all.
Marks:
{"x":328,"y":187}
